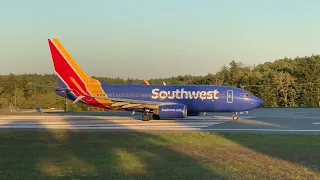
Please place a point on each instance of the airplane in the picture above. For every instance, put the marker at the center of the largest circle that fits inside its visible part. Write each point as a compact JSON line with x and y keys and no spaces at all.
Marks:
{"x":162,"y":101}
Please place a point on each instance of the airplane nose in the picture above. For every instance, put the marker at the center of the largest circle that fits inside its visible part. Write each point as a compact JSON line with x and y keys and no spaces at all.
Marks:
{"x":259,"y":102}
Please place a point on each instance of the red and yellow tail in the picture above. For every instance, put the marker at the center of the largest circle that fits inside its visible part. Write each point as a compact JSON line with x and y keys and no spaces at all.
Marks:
{"x":71,"y":76}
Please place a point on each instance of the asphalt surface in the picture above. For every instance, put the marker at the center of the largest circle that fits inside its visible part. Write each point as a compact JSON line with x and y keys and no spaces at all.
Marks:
{"x":285,"y":120}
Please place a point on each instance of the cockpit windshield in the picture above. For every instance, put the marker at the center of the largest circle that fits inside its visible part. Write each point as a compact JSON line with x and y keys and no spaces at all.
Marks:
{"x":245,"y":95}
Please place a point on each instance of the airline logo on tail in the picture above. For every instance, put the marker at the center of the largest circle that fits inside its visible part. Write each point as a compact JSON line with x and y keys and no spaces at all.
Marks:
{"x":73,"y":77}
{"x":182,"y":94}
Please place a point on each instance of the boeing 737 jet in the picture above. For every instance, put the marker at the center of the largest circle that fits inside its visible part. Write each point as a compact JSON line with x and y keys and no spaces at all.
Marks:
{"x":162,"y":101}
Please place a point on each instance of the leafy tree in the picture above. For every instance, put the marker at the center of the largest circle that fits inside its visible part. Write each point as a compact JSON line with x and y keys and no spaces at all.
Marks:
{"x":285,"y":82}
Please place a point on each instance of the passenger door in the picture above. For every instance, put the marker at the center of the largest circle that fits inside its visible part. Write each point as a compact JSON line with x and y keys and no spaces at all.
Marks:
{"x":230,"y":96}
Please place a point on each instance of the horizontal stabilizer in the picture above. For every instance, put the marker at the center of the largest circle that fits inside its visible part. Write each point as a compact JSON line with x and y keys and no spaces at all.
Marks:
{"x":50,"y":87}
{"x":78,"y":99}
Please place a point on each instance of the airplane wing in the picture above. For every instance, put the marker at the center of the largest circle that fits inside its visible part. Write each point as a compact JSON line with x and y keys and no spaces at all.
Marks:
{"x":125,"y":103}
{"x":132,"y":103}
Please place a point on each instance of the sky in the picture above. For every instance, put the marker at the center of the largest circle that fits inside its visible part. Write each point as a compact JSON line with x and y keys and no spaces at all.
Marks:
{"x":155,"y":39}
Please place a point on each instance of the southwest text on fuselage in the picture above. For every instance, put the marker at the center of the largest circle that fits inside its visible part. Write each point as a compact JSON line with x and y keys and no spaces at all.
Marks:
{"x":183,"y":94}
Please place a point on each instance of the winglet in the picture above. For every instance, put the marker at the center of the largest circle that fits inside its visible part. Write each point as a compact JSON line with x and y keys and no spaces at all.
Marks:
{"x":146,"y":81}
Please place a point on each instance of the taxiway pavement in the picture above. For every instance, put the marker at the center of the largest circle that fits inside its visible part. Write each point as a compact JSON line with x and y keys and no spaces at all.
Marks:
{"x":288,"y":120}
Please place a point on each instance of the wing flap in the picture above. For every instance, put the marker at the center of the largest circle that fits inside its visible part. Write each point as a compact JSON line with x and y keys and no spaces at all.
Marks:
{"x":119,"y":104}
{"x":130,"y":105}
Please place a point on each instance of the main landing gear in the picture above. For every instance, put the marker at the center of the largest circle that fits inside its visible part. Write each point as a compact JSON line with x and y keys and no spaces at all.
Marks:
{"x":147,"y":117}
{"x":155,"y":116}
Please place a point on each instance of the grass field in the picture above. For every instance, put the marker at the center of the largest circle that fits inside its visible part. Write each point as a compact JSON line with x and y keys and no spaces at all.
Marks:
{"x":99,"y":155}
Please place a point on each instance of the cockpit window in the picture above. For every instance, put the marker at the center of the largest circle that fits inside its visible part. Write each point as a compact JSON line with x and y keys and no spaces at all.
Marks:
{"x":244,"y":95}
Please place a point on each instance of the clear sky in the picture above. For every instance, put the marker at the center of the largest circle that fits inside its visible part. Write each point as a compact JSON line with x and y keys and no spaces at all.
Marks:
{"x":147,"y":39}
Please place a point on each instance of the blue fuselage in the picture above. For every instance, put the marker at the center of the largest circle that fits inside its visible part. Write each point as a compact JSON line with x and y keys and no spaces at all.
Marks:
{"x":197,"y":98}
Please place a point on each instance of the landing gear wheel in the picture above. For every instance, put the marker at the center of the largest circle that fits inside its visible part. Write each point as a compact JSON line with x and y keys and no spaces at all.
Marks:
{"x":146,"y":117}
{"x":234,"y":117}
{"x":155,"y":116}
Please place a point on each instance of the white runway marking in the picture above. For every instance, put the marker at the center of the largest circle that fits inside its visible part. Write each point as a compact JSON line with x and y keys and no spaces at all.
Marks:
{"x":271,"y":130}
{"x":104,"y":127}
{"x":292,"y":116}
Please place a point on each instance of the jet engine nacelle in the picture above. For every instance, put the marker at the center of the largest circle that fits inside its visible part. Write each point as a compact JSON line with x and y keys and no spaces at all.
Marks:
{"x":173,"y":111}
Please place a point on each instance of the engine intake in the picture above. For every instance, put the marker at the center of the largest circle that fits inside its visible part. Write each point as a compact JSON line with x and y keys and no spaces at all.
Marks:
{"x":173,"y":111}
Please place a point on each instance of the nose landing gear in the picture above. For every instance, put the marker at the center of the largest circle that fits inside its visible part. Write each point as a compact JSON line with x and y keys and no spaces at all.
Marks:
{"x":235,"y":117}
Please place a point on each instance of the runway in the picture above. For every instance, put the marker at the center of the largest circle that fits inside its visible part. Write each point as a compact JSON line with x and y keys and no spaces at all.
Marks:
{"x":288,"y":120}
{"x":111,"y":123}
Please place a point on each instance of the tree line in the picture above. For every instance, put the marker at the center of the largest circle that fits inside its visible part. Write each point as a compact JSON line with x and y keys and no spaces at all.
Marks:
{"x":286,"y":82}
